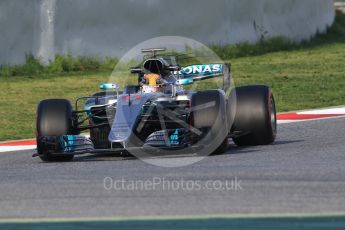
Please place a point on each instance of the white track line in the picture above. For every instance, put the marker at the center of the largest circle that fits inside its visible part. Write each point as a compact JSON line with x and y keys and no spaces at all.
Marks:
{"x":324,"y":111}
{"x":16,"y":148}
{"x":282,"y":122}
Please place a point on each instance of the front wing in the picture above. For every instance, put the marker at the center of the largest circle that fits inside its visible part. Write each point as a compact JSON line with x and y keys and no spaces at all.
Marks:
{"x":77,"y":144}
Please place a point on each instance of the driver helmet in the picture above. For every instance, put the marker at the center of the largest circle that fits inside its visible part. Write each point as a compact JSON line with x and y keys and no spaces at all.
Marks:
{"x":150,"y":83}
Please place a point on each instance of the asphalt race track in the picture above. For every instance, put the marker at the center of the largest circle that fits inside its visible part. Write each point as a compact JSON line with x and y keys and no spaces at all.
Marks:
{"x":303,"y":172}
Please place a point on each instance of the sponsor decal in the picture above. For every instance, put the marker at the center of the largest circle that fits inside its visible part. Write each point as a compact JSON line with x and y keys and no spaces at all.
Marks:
{"x":201,"y":70}
{"x":174,"y":138}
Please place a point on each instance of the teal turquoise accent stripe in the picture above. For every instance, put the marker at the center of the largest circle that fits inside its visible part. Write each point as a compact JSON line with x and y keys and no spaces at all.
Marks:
{"x":285,"y":222}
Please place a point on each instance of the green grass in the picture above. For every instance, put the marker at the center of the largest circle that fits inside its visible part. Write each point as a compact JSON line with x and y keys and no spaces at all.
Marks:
{"x":303,"y":76}
{"x":60,"y":65}
{"x":19,"y":97}
{"x":307,"y":75}
{"x":302,"y":79}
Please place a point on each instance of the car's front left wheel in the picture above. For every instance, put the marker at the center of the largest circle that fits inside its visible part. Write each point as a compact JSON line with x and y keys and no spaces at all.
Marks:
{"x":208,"y":114}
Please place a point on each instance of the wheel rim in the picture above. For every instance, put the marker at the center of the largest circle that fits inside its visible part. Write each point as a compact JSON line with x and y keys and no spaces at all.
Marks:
{"x":273,"y":115}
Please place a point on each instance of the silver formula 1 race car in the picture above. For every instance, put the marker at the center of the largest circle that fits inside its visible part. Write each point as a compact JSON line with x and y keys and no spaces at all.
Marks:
{"x":161,"y":114}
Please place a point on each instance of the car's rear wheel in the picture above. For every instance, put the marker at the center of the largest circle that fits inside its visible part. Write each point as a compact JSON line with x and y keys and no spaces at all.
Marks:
{"x":54,"y":118}
{"x":255,"y":116}
{"x":208,"y":114}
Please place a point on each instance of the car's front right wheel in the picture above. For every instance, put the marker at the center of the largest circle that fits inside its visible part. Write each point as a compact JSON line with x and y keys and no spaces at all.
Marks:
{"x":54,"y":118}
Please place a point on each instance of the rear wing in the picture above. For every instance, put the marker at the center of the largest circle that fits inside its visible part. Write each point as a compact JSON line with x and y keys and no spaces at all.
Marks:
{"x":153,"y":51}
{"x":188,"y":75}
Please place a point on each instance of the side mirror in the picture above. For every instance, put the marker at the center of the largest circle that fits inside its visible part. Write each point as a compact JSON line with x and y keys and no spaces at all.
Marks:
{"x":174,"y":68}
{"x":136,"y":70}
{"x":108,"y":86}
{"x":185,"y":81}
